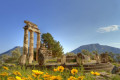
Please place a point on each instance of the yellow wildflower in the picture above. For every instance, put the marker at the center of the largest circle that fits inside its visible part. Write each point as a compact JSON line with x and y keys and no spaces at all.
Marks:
{"x":11,"y":78}
{"x":6,"y":68}
{"x":34,"y":75}
{"x":71,"y":78}
{"x":24,"y":78}
{"x":36,"y":72}
{"x":4,"y":74}
{"x":80,"y":77}
{"x":46,"y":76}
{"x":92,"y":72}
{"x":55,"y":78}
{"x":74,"y":71}
{"x":17,"y":73}
{"x":19,"y":78}
{"x":95,"y":73}
{"x":55,"y":70}
{"x":60,"y":68}
{"x":28,"y":78}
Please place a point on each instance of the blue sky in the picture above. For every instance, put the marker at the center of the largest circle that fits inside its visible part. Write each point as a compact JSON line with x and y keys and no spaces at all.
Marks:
{"x":72,"y":22}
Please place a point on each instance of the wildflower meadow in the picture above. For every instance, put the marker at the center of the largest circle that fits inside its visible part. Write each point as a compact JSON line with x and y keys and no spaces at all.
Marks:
{"x":55,"y":73}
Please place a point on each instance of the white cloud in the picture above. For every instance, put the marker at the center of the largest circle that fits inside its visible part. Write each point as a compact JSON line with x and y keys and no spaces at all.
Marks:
{"x":108,"y":29}
{"x":117,"y":43}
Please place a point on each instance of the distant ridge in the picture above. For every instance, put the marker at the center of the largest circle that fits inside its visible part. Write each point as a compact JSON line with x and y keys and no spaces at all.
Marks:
{"x":9,"y":51}
{"x":89,"y":47}
{"x":98,"y":47}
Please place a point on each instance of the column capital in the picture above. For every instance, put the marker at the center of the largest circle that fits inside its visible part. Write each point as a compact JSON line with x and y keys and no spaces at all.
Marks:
{"x":26,"y":27}
{"x":31,"y":31}
{"x":38,"y":33}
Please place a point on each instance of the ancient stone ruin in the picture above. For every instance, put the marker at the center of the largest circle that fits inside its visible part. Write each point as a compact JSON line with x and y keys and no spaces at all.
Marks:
{"x":45,"y":51}
{"x":31,"y":28}
{"x":80,"y":58}
{"x":104,"y":58}
{"x":41,"y":51}
{"x":44,"y":54}
{"x":97,"y":58}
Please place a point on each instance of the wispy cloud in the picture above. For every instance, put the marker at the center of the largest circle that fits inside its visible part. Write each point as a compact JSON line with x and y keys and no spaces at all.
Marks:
{"x":108,"y":29}
{"x":117,"y":43}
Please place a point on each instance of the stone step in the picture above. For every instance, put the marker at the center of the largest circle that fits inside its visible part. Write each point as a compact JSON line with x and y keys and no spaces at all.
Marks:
{"x":92,"y":65}
{"x":87,"y":68}
{"x":98,"y":67}
{"x":105,"y":69}
{"x":102,"y":69}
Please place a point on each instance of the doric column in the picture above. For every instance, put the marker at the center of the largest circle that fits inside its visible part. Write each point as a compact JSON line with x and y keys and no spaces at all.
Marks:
{"x":38,"y":45}
{"x":25,"y":44}
{"x":22,"y":59}
{"x":31,"y":47}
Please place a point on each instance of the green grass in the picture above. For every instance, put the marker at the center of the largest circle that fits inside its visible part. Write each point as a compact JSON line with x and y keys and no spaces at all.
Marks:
{"x":116,"y":64}
{"x":65,"y":74}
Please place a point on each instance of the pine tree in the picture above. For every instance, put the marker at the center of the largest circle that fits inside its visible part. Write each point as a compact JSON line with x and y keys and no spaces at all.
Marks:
{"x":51,"y":44}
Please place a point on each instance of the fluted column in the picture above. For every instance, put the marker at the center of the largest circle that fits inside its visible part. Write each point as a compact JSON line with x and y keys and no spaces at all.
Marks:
{"x":22,"y":59}
{"x":31,"y":48}
{"x":25,"y":44}
{"x":38,"y":45}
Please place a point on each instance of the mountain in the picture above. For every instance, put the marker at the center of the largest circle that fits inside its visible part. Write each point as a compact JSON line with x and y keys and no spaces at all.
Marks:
{"x":9,"y":51}
{"x":98,"y":47}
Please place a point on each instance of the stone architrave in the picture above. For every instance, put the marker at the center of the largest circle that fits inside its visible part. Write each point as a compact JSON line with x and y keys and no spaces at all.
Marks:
{"x":63,"y":59}
{"x":31,"y":49}
{"x":38,"y":45}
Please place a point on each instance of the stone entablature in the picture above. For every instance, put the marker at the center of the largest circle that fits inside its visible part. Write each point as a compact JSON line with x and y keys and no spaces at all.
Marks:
{"x":28,"y":23}
{"x":31,"y":27}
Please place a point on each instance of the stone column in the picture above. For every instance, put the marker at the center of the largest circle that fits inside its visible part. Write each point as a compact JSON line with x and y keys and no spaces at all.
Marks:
{"x":25,"y":44}
{"x":63,"y":59}
{"x":31,"y":48}
{"x":22,"y":59}
{"x":38,"y":45}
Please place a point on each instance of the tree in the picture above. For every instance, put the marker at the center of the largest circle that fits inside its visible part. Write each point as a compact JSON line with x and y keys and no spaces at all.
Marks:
{"x":70,"y":54}
{"x":86,"y":52}
{"x":118,"y":57}
{"x":16,"y":53}
{"x":57,"y":49}
{"x":110,"y":59}
{"x":112,"y":55}
{"x":95,"y":52}
{"x":48,"y":40}
{"x":51,"y":44}
{"x":5,"y":57}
